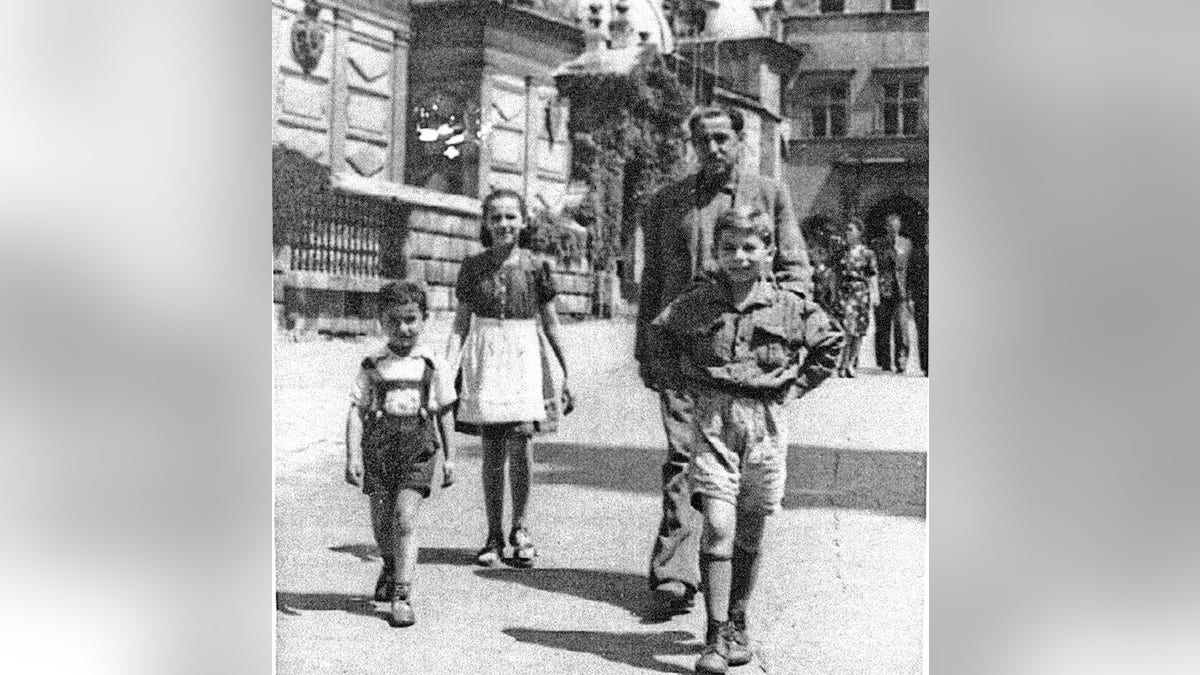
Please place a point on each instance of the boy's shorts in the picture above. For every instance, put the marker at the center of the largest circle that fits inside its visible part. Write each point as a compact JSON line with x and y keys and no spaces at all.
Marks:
{"x":399,"y":454}
{"x":740,"y":452}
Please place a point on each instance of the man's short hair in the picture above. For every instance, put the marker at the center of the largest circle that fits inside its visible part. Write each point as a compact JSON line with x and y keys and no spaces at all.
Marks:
{"x":403,"y":292}
{"x":747,"y":221}
{"x":736,"y":121}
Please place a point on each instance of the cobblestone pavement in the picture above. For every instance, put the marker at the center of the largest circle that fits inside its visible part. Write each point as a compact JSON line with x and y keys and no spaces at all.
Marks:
{"x":843,"y":590}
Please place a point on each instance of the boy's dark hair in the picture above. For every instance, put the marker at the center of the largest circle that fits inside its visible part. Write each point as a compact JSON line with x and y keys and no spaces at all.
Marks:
{"x":525,"y":238}
{"x":745,"y":220}
{"x":736,"y":121}
{"x":403,"y":292}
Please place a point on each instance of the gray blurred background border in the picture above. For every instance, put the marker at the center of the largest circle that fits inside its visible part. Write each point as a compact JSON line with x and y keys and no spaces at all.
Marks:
{"x":135,"y":205}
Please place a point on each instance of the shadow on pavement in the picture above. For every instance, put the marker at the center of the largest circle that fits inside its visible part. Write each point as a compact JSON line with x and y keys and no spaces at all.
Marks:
{"x":427,"y":556}
{"x":364,"y":552}
{"x":293,"y":604}
{"x":634,"y":649}
{"x":620,"y":589}
{"x":890,"y":482}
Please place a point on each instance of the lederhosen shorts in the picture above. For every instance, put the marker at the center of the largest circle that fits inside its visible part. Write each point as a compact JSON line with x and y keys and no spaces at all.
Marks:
{"x":400,"y":452}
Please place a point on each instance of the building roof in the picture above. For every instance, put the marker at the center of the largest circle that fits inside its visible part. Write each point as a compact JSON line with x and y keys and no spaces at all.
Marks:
{"x":604,"y":62}
{"x":733,"y":20}
{"x":645,"y":16}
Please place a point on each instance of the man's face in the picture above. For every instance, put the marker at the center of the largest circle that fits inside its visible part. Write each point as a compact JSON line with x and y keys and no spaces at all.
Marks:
{"x":717,"y":145}
{"x":743,"y":256}
{"x":403,"y":324}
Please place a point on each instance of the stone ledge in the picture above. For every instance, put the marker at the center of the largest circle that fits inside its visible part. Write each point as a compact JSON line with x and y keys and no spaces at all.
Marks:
{"x":407,"y":194}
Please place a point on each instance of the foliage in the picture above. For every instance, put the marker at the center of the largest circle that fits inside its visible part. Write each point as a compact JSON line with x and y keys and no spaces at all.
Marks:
{"x":629,"y":140}
{"x":294,"y":178}
{"x":558,"y":237}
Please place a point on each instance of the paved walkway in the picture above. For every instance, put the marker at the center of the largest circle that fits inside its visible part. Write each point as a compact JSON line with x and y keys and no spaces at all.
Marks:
{"x":843,"y":592}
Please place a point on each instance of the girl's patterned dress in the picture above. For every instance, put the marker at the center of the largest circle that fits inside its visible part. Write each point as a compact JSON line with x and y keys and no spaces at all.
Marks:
{"x":854,"y":269}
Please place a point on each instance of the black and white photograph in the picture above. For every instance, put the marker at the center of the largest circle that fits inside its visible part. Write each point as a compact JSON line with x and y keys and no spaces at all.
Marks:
{"x":600,"y":336}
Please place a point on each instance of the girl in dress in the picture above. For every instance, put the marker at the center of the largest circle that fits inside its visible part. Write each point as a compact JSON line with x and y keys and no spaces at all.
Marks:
{"x":854,"y":268}
{"x":505,"y":336}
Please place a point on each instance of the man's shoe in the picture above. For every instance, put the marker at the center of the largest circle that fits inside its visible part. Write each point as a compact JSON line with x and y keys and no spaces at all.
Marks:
{"x":739,"y":640}
{"x":714,"y":660}
{"x":674,"y":594}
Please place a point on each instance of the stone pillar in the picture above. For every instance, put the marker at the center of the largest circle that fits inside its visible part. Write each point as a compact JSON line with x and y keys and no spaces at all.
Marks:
{"x":399,"y":133}
{"x":338,"y":91}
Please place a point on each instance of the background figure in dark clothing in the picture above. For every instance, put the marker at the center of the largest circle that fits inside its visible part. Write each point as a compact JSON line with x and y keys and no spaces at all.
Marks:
{"x":891,"y":315}
{"x":678,"y":223}
{"x":918,"y":289}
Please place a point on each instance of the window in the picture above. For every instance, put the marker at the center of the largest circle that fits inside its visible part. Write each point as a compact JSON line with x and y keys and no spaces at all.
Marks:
{"x":824,"y":112}
{"x":443,"y":139}
{"x":904,"y":5}
{"x":833,"y":6}
{"x":903,"y":107}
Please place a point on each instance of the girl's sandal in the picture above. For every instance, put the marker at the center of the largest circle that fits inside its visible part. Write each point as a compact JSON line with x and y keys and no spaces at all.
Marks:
{"x":490,"y":555}
{"x":523,"y":549}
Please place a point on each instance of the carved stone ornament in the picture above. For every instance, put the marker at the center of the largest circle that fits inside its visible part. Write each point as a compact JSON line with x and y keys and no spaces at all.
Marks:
{"x":308,"y":39}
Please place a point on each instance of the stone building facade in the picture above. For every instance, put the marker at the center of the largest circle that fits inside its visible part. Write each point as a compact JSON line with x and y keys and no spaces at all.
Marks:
{"x":413,"y":109}
{"x":859,"y":144}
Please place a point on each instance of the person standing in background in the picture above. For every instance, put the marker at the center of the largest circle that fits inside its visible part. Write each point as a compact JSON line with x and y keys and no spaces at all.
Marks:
{"x":918,"y":288}
{"x":891,"y":315}
{"x":854,"y":268}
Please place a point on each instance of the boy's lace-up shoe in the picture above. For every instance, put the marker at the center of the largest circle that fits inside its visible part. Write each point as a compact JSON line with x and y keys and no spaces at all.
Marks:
{"x":739,"y":640}
{"x":383,"y":585}
{"x":402,"y":614}
{"x":714,"y":660}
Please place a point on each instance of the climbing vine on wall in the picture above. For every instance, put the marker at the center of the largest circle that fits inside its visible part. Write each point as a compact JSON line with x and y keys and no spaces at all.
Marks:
{"x":628,"y":140}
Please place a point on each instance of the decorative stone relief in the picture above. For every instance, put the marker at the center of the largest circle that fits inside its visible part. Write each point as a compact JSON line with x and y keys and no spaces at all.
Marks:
{"x":308,"y":38}
{"x":368,"y":113}
{"x":366,"y":160}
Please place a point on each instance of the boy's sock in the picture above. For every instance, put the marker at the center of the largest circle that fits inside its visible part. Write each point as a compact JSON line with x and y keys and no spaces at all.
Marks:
{"x":744,"y":577}
{"x":389,"y":562}
{"x":715,"y":576}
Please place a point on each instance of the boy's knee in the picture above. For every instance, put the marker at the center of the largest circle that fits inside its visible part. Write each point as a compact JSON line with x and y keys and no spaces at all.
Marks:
{"x":403,"y":525}
{"x":717,"y":548}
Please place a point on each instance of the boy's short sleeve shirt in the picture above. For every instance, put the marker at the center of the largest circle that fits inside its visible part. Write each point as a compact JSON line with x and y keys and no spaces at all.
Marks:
{"x":404,"y":375}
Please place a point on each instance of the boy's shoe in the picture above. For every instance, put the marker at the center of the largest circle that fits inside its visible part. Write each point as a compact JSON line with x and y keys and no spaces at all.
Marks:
{"x":490,"y":555}
{"x":714,"y":660}
{"x":739,"y":640}
{"x":402,"y":614}
{"x":523,"y":549}
{"x":384,"y":585}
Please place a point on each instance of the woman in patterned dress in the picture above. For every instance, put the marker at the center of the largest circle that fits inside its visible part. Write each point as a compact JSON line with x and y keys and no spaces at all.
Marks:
{"x":854,"y":267}
{"x":505,"y":317}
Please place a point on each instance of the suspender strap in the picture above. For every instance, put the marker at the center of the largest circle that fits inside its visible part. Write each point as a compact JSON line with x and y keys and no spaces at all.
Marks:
{"x":426,"y":381}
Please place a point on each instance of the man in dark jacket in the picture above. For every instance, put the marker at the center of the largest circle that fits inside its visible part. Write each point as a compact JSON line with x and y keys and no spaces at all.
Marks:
{"x":918,"y":288}
{"x":891,"y":314}
{"x":677,"y":223}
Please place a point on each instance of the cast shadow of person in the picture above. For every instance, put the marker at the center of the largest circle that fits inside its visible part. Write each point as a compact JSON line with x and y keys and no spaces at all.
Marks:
{"x":426,"y":556}
{"x":620,"y":589}
{"x":639,"y":650}
{"x":294,"y":604}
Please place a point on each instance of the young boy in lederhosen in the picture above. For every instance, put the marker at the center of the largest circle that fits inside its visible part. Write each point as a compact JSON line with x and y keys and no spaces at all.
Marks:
{"x":398,"y":421}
